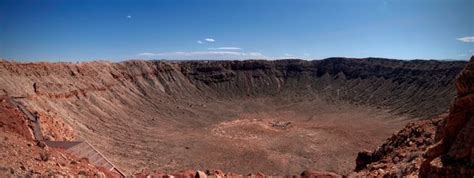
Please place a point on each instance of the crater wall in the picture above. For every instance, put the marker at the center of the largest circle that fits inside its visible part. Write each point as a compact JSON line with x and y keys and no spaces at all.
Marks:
{"x":168,"y":115}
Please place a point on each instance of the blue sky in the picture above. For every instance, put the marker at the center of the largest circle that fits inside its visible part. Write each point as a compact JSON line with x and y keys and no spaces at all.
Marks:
{"x":74,"y":30}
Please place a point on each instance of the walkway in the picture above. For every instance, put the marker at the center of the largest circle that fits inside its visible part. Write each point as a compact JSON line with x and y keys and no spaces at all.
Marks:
{"x":80,"y":149}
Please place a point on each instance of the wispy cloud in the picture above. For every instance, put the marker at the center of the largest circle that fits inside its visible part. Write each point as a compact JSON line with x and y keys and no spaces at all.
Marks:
{"x":293,"y":56}
{"x":211,"y":55}
{"x":129,"y":16}
{"x":210,"y":40}
{"x":467,"y":39}
{"x":206,"y":40}
{"x":146,"y":54}
{"x":225,"y":48}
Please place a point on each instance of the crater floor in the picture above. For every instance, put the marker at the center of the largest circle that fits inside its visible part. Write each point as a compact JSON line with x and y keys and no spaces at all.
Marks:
{"x":275,"y":117}
{"x":270,"y":137}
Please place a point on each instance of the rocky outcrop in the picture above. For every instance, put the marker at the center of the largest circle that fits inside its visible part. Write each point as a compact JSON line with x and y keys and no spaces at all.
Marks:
{"x":453,"y":153}
{"x":438,"y":147}
{"x":401,"y":154}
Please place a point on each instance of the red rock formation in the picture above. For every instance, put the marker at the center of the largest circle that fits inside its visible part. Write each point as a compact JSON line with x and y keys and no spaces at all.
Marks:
{"x":401,"y":154}
{"x":12,"y":120}
{"x":453,"y":153}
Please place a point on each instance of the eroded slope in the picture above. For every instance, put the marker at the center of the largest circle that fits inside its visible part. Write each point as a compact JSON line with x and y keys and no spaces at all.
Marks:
{"x":279,"y":116}
{"x":24,"y":157}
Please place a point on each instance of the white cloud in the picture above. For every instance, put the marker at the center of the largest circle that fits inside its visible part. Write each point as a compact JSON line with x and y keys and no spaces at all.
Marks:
{"x":211,"y":55}
{"x":209,"y":40}
{"x":146,"y":54}
{"x":225,"y":48}
{"x":129,"y":16}
{"x":467,"y":39}
{"x":305,"y":56}
{"x":256,"y":54}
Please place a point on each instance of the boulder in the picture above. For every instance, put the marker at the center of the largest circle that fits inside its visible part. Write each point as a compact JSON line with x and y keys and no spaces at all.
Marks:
{"x":200,"y":174}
